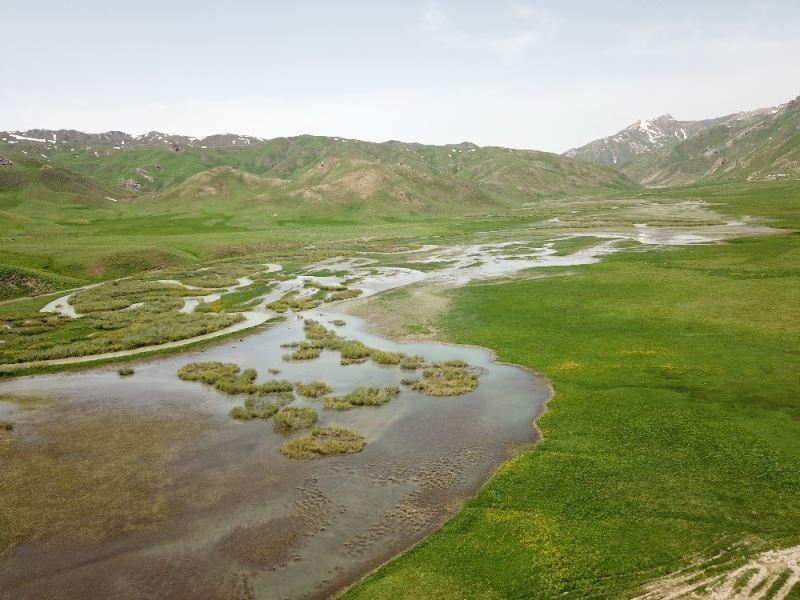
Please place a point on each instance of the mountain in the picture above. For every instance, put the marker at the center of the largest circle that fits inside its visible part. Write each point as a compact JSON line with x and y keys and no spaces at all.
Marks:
{"x":641,"y":137}
{"x":315,"y":172}
{"x":760,"y":145}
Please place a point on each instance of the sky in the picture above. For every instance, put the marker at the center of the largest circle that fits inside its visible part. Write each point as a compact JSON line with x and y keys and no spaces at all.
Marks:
{"x":546,"y":75}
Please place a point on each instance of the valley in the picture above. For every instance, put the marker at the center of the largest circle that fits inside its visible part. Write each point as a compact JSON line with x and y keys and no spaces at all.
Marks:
{"x":318,"y":367}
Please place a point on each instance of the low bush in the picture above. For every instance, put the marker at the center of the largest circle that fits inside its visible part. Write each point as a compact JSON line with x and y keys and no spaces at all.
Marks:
{"x":322,"y":441}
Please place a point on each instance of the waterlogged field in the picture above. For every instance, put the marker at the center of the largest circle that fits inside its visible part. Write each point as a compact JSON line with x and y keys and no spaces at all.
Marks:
{"x":296,"y":499}
{"x":302,"y":451}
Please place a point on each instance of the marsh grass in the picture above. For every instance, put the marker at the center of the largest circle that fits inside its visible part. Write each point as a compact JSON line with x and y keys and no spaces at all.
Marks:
{"x":314,"y":389}
{"x":90,"y":475}
{"x":255,"y":407}
{"x":409,"y":381}
{"x":450,"y":378}
{"x":294,"y":417}
{"x":382,"y":357}
{"x":343,"y":295}
{"x":296,"y":304}
{"x":125,"y":371}
{"x":363,"y":396}
{"x":304,"y":351}
{"x":314,"y":330}
{"x":323,"y":441}
{"x":338,"y":323}
{"x":207,"y":372}
{"x":411,"y":363}
{"x":273,"y":371}
{"x":97,"y":333}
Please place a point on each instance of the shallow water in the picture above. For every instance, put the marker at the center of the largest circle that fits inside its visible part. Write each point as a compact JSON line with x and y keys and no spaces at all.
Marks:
{"x":245,"y":517}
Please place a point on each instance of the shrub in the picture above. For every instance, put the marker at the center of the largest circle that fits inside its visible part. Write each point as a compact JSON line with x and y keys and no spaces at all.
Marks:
{"x":322,"y":441}
{"x":125,"y":371}
{"x":315,"y":389}
{"x":293,"y":417}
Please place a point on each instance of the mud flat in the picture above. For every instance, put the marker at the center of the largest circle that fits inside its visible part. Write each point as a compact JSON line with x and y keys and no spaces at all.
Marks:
{"x":243,"y":520}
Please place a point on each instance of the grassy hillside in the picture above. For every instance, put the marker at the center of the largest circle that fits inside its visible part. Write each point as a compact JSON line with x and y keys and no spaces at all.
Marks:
{"x":63,"y":208}
{"x":763,"y":147}
{"x":364,"y":170}
{"x":674,"y":433}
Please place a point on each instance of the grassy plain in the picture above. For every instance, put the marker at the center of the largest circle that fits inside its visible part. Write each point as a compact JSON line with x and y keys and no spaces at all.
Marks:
{"x":674,"y":433}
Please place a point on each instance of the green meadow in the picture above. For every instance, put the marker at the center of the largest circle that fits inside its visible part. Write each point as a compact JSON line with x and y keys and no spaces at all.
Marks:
{"x":673,"y":434}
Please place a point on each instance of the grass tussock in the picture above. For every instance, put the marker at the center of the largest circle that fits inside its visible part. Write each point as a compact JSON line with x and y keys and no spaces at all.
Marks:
{"x":363,"y":396}
{"x":255,"y":407}
{"x":338,"y":323}
{"x":304,"y":351}
{"x":293,"y":417}
{"x":450,"y":378}
{"x":410,"y":363}
{"x":207,"y":372}
{"x":315,"y":389}
{"x":125,"y":371}
{"x":382,"y":357}
{"x":314,"y":330}
{"x":323,"y":441}
{"x":294,"y":304}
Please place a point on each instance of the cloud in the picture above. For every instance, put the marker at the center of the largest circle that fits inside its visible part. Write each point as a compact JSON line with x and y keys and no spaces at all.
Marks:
{"x":537,"y":28}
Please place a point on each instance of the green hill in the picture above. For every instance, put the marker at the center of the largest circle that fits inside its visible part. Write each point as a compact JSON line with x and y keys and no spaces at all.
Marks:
{"x":763,"y":146}
{"x":321,"y":172}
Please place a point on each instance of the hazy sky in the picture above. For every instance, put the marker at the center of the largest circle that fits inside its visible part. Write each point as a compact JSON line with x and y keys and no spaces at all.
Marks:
{"x":538,"y":74}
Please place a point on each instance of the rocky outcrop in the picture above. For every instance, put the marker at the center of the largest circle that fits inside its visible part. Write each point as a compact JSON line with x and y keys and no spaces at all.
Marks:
{"x":130,"y":184}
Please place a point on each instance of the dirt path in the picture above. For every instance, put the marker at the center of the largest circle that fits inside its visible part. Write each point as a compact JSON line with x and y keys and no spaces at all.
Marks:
{"x":772,"y":575}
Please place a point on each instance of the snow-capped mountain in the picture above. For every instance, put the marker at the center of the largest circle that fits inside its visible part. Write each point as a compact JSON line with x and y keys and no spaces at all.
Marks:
{"x":640,"y":137}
